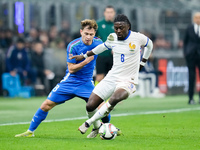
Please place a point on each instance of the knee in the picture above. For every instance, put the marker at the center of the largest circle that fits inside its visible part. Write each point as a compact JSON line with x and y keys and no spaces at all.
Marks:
{"x":117,"y":98}
{"x":93,"y":102}
{"x":90,"y":107}
{"x":99,"y":77}
{"x":114,"y":100}
{"x":47,"y":105}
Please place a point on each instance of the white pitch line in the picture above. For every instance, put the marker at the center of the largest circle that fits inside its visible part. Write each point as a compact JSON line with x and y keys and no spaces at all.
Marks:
{"x":113,"y":115}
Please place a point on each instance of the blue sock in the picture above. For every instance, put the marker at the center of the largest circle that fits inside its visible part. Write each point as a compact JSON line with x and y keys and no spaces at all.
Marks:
{"x":39,"y":116}
{"x":106,"y":119}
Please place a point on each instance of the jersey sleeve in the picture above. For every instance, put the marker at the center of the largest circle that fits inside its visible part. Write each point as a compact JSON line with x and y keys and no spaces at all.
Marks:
{"x":143,"y":39}
{"x":71,"y":52}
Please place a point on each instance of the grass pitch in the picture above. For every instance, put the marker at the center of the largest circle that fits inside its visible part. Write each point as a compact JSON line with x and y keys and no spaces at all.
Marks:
{"x":147,"y":124}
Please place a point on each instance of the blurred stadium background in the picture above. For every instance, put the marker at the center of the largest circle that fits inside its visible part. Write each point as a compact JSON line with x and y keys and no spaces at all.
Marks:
{"x":163,"y":21}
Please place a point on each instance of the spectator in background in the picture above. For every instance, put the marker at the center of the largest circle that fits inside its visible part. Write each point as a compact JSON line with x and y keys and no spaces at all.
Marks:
{"x":66,"y":27}
{"x":161,"y":43}
{"x":45,"y":40}
{"x":65,"y":33}
{"x":40,"y":59}
{"x":8,"y":38}
{"x":105,"y":59}
{"x":17,"y":62}
{"x":191,"y":51}
{"x":33,"y":35}
{"x":60,"y":63}
{"x":18,"y":35}
{"x":48,"y":63}
{"x":53,"y":34}
{"x":65,"y":37}
{"x":149,"y":34}
{"x":37,"y":59}
{"x":3,"y":43}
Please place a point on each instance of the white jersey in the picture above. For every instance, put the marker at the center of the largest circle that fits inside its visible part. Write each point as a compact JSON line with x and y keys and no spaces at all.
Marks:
{"x":126,"y":56}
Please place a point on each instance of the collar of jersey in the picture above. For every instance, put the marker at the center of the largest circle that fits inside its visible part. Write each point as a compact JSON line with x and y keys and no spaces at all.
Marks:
{"x":129,"y":32}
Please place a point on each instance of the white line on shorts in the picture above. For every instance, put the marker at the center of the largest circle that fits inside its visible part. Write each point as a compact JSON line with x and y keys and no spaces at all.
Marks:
{"x":113,"y":115}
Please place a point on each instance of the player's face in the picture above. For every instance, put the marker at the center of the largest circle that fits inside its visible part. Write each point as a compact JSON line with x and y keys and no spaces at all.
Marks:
{"x":121,"y":29}
{"x":109,"y":14}
{"x":38,"y":48}
{"x":87,"y":35}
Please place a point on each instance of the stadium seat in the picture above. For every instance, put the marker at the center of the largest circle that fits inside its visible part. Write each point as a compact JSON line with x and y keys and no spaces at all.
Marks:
{"x":12,"y":85}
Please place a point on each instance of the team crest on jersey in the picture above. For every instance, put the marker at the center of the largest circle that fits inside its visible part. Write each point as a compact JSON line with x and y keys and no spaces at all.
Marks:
{"x":50,"y":94}
{"x":132,"y":46}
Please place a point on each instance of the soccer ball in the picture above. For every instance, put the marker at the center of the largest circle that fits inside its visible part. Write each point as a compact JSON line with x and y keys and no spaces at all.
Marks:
{"x":107,"y":131}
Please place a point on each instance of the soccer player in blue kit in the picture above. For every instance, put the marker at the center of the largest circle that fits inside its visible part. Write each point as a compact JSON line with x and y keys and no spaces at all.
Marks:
{"x":78,"y":81}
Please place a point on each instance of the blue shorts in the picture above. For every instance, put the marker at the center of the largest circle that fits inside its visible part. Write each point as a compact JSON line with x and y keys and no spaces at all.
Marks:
{"x":69,"y":89}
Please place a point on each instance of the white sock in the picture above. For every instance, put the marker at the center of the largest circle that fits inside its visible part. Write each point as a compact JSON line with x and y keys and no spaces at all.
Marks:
{"x":97,"y":123}
{"x":102,"y":112}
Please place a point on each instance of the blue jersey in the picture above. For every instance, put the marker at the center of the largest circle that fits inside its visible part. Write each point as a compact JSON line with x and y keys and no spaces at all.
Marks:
{"x":77,"y":47}
{"x":78,"y":84}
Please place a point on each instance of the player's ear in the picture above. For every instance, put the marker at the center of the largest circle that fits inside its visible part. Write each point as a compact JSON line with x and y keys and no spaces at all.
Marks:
{"x":129,"y":28}
{"x":81,"y":31}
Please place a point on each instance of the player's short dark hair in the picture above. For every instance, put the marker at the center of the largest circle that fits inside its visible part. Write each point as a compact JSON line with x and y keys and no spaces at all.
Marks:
{"x":122,"y":18}
{"x":90,"y":23}
{"x":109,"y":6}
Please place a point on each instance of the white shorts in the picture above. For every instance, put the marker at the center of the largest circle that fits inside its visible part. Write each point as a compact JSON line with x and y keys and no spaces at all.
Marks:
{"x":107,"y":87}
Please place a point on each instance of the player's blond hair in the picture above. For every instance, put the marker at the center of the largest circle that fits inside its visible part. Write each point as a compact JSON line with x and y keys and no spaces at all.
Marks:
{"x":89,"y":24}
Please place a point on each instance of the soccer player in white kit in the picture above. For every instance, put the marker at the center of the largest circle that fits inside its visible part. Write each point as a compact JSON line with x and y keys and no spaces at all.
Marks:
{"x":120,"y":81}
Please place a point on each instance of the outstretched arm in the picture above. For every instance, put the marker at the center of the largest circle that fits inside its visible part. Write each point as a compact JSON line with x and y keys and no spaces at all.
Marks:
{"x":81,"y":57}
{"x":97,"y":50}
{"x":147,"y":53}
{"x":72,"y":67}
